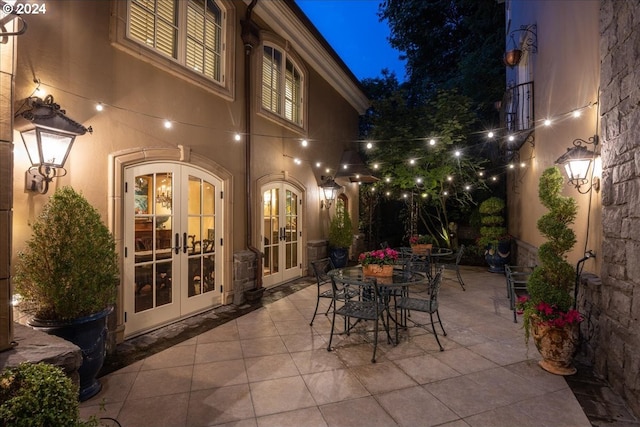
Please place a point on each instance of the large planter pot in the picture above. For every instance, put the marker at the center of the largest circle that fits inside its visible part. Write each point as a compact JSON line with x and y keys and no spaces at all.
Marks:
{"x":498,"y":257}
{"x":90,"y":334}
{"x":339,"y":257}
{"x":253,"y":295}
{"x":557,"y":346}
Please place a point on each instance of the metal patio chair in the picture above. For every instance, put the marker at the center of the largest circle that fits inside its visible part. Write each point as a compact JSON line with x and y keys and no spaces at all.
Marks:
{"x":370,"y":305}
{"x":517,"y":277}
{"x":320,"y":268}
{"x":411,"y":303}
{"x":453,"y":263}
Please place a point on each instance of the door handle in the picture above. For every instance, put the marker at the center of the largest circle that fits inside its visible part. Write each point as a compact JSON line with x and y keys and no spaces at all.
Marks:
{"x":177,"y":247}
{"x":184,"y":239}
{"x":283,"y":236}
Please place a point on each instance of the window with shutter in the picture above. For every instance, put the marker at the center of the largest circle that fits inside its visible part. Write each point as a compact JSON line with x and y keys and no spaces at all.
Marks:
{"x":281,"y":85}
{"x":191,"y":32}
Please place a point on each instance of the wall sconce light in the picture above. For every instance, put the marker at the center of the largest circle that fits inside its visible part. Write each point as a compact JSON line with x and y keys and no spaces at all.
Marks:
{"x":330,"y":189}
{"x":576,"y":162}
{"x":48,"y":136}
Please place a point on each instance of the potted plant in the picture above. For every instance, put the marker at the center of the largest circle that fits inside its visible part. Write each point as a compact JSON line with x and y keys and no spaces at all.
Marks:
{"x":494,"y":240}
{"x":39,"y":394}
{"x":378,"y":263}
{"x":67,"y":277}
{"x":340,"y":238}
{"x":548,"y":313}
{"x":421,"y":244}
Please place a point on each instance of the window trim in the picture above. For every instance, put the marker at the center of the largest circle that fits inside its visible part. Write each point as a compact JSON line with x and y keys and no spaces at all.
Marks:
{"x":269,"y":40}
{"x":226,"y":88}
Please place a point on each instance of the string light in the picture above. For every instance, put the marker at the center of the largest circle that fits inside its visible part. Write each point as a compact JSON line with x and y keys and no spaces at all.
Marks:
{"x":99,"y":105}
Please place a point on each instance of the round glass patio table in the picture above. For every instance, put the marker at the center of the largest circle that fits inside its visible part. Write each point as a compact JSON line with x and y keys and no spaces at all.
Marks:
{"x":390,"y":287}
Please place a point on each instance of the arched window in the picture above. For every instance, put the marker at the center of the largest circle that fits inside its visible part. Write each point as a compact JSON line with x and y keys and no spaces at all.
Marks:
{"x":282,"y":83}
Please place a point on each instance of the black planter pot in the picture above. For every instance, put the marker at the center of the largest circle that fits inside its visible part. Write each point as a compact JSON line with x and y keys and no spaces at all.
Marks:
{"x":497,"y":259}
{"x":339,"y":257}
{"x":253,"y":295}
{"x":90,"y":334}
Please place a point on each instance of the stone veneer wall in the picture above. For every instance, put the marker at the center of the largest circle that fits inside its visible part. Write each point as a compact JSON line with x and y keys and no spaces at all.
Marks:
{"x":616,"y":304}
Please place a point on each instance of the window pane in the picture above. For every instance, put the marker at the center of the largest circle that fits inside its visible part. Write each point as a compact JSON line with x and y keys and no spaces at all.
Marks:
{"x":204,"y":46}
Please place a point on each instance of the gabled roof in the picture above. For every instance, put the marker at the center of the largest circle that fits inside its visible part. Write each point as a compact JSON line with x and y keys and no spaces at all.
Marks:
{"x":290,"y":22}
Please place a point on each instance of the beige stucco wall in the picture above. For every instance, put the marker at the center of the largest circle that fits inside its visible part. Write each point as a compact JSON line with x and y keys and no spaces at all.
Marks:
{"x":565,"y":72}
{"x":74,"y":53}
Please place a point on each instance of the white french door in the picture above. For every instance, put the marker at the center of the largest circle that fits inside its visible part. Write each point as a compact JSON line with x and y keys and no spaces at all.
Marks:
{"x":173,"y":231}
{"x":281,"y":233}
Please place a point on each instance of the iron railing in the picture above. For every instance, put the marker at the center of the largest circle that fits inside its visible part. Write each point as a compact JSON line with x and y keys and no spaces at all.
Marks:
{"x":517,"y":108}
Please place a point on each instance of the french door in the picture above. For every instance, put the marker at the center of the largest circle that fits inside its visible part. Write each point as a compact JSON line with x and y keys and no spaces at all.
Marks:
{"x":281,"y":233}
{"x":172,"y":229}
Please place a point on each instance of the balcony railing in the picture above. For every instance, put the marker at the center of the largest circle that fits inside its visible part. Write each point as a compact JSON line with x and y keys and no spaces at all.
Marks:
{"x":517,"y":108}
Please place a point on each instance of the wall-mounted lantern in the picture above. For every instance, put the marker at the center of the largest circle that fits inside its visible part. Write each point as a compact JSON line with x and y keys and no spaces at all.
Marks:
{"x":577,"y":161}
{"x":48,"y":136}
{"x":330,"y":191}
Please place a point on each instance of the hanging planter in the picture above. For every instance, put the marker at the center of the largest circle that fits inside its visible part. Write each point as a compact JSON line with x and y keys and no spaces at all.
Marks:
{"x":512,"y":57}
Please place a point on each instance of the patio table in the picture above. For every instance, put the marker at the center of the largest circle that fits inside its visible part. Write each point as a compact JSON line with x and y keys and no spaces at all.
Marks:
{"x":391,"y":287}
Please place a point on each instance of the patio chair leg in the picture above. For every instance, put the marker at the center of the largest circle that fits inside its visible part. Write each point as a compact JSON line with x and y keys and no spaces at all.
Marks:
{"x":326,"y":313}
{"x":433,"y":327}
{"x":375,"y":342}
{"x":315,"y":311}
{"x":460,"y":280}
{"x":440,"y":321}
{"x":331,"y":336}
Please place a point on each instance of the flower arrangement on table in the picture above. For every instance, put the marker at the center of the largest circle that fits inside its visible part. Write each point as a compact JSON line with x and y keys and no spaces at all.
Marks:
{"x":385,"y":256}
{"x":421,"y":240}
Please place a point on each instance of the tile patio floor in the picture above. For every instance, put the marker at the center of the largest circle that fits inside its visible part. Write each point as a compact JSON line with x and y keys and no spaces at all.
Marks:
{"x":270,"y":368}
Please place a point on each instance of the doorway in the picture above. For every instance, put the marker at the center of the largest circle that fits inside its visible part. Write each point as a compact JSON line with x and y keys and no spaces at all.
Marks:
{"x":281,"y":233}
{"x":173,"y":240}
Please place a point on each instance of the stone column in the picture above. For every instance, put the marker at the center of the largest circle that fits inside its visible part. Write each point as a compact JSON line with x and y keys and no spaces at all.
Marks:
{"x":7,"y":56}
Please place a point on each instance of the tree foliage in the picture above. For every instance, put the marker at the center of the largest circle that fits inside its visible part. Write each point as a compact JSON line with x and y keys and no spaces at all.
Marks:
{"x":455,"y":74}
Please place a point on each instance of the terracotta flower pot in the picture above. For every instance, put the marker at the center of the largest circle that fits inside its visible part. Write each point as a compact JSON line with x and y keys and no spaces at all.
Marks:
{"x":421,"y":248}
{"x":557,"y":346}
{"x":375,"y":270}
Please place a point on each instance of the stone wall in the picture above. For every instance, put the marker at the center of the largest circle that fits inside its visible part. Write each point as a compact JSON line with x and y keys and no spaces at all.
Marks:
{"x":244,"y":274}
{"x":616,"y":305}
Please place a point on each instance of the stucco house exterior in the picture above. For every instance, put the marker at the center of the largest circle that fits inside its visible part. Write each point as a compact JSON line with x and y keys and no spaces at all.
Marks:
{"x":214,"y":124}
{"x":579,"y":70}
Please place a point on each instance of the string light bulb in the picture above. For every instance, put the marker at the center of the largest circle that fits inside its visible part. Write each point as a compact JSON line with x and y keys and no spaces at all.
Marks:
{"x":99,"y":106}
{"x":304,"y":142}
{"x":236,"y":137}
{"x":490,"y":134}
{"x":432,"y":141}
{"x":167,"y":124}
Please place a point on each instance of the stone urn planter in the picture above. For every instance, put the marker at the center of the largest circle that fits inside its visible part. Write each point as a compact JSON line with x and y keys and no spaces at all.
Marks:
{"x":557,"y":345}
